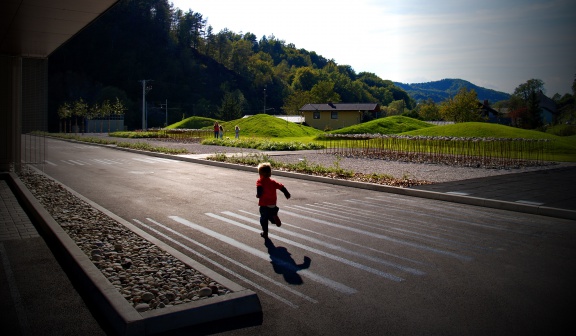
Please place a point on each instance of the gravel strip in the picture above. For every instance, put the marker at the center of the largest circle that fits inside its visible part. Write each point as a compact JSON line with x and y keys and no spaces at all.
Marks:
{"x":146,"y":276}
{"x":435,"y":173}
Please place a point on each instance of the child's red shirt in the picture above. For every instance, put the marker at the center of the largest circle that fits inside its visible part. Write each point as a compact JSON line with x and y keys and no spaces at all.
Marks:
{"x":269,"y":187}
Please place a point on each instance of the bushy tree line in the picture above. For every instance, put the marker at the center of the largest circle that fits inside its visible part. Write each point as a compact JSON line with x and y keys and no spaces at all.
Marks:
{"x":198,"y":71}
{"x":79,"y":111}
{"x":222,"y":75}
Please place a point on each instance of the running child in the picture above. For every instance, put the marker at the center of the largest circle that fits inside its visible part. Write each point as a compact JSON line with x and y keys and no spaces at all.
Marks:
{"x":266,"y":193}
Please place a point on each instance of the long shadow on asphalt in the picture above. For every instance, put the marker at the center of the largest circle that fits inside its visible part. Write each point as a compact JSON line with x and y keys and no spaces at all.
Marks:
{"x":283,"y":263}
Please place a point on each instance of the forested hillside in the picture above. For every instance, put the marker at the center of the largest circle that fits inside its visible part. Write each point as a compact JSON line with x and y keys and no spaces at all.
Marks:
{"x":443,"y":89}
{"x":197,"y":71}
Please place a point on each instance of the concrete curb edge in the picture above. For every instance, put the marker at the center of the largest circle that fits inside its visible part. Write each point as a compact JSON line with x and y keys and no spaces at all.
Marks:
{"x":121,"y":316}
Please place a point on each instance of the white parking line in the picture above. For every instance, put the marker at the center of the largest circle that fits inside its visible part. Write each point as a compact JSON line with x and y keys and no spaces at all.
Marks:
{"x":248,"y":281}
{"x":314,"y":250}
{"x":380,"y":236}
{"x":331,"y":246}
{"x":346,"y":241}
{"x":397,"y":229}
{"x":318,"y":278}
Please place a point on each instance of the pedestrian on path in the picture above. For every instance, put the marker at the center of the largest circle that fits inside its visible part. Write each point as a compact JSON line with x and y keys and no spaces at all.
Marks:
{"x":216,"y":130}
{"x":237,"y":132}
{"x":266,"y":194}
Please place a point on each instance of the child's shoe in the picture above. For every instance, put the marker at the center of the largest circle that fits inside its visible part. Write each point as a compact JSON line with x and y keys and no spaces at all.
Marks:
{"x":264,"y":234}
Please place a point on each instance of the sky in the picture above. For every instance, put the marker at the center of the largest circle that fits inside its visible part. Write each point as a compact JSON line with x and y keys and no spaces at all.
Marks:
{"x":496,"y":44}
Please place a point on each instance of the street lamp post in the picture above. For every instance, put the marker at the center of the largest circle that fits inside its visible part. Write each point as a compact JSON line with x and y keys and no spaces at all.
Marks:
{"x":145,"y":90}
{"x":166,"y":107}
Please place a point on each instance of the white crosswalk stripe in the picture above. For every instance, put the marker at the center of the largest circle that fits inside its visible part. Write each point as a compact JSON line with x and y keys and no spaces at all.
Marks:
{"x":323,"y":280}
{"x":104,"y":161}
{"x":226,"y":269}
{"x":342,"y":235}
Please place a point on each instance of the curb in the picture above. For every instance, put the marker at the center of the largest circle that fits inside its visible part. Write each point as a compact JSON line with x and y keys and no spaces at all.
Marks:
{"x":122,"y":317}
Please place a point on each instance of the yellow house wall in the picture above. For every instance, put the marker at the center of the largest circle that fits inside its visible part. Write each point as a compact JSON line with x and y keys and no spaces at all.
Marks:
{"x":345,"y":119}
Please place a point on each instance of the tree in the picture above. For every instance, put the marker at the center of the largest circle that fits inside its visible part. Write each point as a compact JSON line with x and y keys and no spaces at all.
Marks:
{"x":64,"y":113}
{"x":241,"y":52}
{"x":323,"y":92}
{"x":396,"y":108}
{"x":232,"y":106}
{"x":528,"y":94}
{"x":79,"y":110}
{"x":294,"y":102}
{"x":305,"y":78}
{"x":462,"y":108}
{"x":429,"y":110}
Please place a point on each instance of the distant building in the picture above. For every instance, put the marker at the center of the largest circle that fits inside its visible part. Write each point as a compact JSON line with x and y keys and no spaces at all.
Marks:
{"x":337,"y":115}
{"x":290,"y":118}
{"x":548,"y":112}
{"x":548,"y":108}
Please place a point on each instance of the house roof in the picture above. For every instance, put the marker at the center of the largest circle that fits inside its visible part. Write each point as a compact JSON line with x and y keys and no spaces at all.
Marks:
{"x":342,"y":107}
{"x":486,"y":108}
{"x":547,"y":103}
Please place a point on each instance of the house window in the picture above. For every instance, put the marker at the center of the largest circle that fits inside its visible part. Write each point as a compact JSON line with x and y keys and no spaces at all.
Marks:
{"x":334,"y":115}
{"x":316,"y":115}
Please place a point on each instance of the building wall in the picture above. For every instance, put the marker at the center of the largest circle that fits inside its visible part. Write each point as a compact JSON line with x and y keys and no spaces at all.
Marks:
{"x":325,"y":122}
{"x":6,"y":112}
{"x":105,"y":126}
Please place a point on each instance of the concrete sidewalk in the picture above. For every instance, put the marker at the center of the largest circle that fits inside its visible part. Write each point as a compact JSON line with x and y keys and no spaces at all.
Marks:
{"x":38,"y":296}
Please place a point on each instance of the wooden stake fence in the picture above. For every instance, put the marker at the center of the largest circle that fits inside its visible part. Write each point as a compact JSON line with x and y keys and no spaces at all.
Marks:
{"x":473,"y":152}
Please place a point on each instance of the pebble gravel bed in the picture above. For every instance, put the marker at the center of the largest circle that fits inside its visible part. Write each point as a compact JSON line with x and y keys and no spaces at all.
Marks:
{"x":146,"y":276}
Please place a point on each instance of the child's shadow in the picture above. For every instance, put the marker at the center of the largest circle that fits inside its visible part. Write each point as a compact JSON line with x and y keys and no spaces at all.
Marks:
{"x":283,"y":263}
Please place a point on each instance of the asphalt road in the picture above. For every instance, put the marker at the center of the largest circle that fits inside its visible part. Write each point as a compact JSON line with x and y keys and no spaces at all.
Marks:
{"x":346,"y":261}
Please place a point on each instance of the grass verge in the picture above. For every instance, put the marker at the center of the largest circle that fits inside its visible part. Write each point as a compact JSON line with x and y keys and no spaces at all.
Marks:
{"x":305,"y":167}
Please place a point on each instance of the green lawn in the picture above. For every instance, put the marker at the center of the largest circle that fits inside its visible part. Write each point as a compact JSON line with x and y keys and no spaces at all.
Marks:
{"x":266,"y":128}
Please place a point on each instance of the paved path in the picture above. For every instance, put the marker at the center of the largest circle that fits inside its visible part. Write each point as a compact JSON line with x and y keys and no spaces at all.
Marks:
{"x":37,"y":296}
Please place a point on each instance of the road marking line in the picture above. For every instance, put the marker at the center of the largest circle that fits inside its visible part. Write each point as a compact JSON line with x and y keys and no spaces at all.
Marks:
{"x":331,"y":246}
{"x":224,"y":268}
{"x":380,"y":236}
{"x":412,"y":224}
{"x":314,"y":250}
{"x":320,"y":279}
{"x":102,"y":161}
{"x":345,"y":241}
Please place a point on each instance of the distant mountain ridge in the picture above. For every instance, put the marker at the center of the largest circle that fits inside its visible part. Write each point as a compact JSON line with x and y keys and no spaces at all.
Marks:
{"x":443,"y":89}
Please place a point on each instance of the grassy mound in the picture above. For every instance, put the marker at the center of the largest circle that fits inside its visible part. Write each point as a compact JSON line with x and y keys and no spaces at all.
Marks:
{"x":388,"y":125}
{"x":479,"y":130}
{"x":267,"y":126}
{"x":193,"y":123}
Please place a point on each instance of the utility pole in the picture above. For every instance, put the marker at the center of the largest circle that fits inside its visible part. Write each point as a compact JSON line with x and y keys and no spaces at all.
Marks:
{"x":166,"y":106}
{"x":145,"y":90}
{"x":264,"y":100}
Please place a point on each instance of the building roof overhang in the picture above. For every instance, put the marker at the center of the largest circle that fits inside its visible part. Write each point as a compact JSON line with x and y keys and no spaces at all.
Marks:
{"x":35,"y":28}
